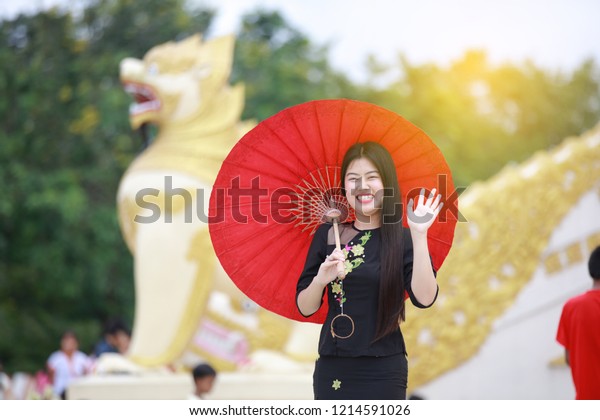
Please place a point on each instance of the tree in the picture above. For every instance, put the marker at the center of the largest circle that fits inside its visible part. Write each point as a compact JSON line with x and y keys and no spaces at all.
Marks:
{"x":65,"y":144}
{"x":280,"y":67}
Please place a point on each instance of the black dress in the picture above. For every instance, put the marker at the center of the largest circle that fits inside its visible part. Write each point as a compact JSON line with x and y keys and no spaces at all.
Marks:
{"x":356,"y":367}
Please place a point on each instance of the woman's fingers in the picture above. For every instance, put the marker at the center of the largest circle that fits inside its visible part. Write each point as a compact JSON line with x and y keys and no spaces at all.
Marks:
{"x":334,"y":263}
{"x":438,"y":209}
{"x":436,"y":202}
{"x":330,"y":263}
{"x":336,"y":255}
{"x":429,"y":202}
{"x":421,"y":199}
{"x":341,"y":270}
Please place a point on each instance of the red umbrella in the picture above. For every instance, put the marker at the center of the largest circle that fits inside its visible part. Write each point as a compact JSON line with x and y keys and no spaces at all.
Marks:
{"x":277,"y":181}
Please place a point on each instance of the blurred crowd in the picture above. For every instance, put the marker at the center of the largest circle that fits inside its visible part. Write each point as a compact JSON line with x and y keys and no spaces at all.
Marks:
{"x":64,"y":365}
{"x":68,"y":363}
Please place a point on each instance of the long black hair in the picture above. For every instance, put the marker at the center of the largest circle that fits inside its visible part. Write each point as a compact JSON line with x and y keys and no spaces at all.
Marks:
{"x":390,"y":309}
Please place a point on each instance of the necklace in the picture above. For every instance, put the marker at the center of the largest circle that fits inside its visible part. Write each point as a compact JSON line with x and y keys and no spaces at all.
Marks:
{"x":339,"y":316}
{"x":354,"y":257}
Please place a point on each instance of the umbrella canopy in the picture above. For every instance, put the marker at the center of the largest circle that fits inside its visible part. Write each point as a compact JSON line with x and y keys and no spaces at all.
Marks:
{"x":275,"y":184}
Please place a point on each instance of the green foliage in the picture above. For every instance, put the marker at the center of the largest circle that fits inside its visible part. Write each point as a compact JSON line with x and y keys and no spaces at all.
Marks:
{"x":65,"y":144}
{"x":280,"y":67}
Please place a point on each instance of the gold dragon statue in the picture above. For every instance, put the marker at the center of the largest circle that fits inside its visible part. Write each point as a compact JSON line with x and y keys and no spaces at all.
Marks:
{"x":182,"y":88}
{"x":508,"y":222}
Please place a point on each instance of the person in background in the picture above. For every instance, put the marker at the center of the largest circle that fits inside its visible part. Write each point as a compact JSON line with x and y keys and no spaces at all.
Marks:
{"x":579,"y":333}
{"x":5,"y":384}
{"x":115,"y":340}
{"x":204,"y":378}
{"x":67,"y":364}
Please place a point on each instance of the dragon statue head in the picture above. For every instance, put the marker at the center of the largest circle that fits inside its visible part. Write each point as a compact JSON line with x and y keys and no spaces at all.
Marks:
{"x":182,"y":83}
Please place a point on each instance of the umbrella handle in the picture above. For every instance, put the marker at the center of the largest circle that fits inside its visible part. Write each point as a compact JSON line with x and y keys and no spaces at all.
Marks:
{"x":338,"y":246}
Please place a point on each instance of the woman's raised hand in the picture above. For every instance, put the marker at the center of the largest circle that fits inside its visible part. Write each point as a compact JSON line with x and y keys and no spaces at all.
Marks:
{"x":421,"y":217}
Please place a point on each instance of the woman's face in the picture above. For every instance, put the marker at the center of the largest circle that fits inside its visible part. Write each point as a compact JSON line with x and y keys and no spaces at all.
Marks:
{"x":364,"y":188}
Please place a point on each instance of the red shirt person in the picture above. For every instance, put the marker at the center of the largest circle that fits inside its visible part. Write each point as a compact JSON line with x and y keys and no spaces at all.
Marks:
{"x":579,"y":333}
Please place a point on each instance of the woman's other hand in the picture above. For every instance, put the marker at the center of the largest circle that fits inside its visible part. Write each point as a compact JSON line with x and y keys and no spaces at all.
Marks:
{"x":331,"y":268}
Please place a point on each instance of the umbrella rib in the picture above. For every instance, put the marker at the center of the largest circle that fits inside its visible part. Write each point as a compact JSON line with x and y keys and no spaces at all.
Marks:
{"x":441,"y":241}
{"x":254,"y":255}
{"x":414,"y":178}
{"x":392,"y":124}
{"x":419,"y":156}
{"x":329,"y":179}
{"x":267,"y":267}
{"x":285,"y":143}
{"x":244,"y":240}
{"x":281,"y":140}
{"x":322,"y":143}
{"x":272,"y":176}
{"x":404,"y":142}
{"x":266,"y":155}
{"x":339,"y":134}
{"x":310,"y":152}
{"x":366,"y":121}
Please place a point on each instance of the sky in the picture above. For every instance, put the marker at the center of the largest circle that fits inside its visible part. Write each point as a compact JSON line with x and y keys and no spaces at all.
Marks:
{"x":555,"y":34}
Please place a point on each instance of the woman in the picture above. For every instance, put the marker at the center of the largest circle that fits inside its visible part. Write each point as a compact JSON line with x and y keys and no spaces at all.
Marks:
{"x":66,"y":364}
{"x":361,"y":348}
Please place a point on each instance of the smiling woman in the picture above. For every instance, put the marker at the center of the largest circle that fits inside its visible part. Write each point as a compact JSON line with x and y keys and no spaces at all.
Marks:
{"x":342,"y":153}
{"x":361,"y":349}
